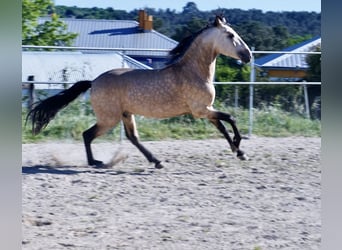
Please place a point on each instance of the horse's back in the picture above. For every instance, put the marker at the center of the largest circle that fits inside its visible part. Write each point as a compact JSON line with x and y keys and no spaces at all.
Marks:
{"x":152,"y":93}
{"x":109,"y":82}
{"x":109,"y":75}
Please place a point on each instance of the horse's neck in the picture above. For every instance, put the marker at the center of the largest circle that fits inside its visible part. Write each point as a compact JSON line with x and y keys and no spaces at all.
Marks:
{"x":200,"y":60}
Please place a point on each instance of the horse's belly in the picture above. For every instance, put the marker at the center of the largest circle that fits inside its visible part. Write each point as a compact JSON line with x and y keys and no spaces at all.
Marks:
{"x":159,"y":110}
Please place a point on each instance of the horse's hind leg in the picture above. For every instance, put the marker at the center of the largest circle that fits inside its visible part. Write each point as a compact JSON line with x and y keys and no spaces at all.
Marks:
{"x":88,"y":136}
{"x":132,"y":135}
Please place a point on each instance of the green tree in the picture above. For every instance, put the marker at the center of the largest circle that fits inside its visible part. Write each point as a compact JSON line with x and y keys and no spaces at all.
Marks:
{"x":230,"y":70}
{"x":314,"y":63}
{"x":295,"y":39}
{"x":191,"y":27}
{"x":52,"y":32}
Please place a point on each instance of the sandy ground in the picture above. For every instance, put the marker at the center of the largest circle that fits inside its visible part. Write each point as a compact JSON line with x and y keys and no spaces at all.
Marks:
{"x":204,"y":198}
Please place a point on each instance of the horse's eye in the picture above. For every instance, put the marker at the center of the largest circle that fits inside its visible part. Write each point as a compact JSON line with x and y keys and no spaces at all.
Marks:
{"x":230,"y":35}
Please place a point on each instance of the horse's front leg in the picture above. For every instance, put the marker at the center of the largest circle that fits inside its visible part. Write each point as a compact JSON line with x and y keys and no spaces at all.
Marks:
{"x":215,"y":117}
{"x":228,"y":118}
{"x":219,"y":125}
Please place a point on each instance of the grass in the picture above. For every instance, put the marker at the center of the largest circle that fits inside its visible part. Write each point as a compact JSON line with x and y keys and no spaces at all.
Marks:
{"x":268,"y":121}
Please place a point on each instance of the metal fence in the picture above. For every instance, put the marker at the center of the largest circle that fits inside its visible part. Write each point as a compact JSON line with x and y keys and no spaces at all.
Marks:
{"x":30,"y":84}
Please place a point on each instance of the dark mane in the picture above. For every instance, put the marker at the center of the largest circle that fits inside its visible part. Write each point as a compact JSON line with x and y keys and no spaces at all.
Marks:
{"x":179,"y":51}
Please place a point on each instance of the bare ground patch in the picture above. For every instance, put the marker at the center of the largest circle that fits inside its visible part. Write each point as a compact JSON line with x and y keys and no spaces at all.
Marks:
{"x":204,"y":198}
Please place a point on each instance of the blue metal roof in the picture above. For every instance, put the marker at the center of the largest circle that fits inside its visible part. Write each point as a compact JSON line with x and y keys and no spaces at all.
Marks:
{"x":116,"y":34}
{"x":289,"y":60}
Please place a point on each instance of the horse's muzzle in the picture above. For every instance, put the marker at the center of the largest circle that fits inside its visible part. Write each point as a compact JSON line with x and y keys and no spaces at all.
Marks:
{"x":245,"y":55}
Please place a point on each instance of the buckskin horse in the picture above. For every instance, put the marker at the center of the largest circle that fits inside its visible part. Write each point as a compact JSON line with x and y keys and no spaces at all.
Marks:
{"x":184,"y":86}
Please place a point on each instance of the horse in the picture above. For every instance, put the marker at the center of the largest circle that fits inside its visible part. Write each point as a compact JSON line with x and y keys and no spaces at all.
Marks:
{"x":183,"y":86}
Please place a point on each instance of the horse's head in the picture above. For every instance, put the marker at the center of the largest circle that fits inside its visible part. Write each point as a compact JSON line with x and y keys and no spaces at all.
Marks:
{"x":228,"y":42}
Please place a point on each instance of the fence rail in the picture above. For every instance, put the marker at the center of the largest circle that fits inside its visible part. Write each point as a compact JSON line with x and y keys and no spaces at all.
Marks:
{"x":30,"y":84}
{"x":216,"y":83}
{"x":153,"y":50}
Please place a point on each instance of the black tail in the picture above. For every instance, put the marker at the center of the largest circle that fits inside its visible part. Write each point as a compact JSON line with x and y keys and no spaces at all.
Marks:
{"x":44,"y":111}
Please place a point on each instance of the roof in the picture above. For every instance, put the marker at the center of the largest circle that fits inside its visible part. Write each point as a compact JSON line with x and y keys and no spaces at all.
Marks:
{"x":116,"y":34}
{"x":289,"y":60}
{"x":71,"y":66}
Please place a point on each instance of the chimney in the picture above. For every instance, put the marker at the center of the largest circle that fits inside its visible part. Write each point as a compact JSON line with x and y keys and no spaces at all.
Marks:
{"x":145,"y":21}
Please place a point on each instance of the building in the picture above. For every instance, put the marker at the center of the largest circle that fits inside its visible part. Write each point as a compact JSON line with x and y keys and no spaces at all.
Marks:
{"x":42,"y":67}
{"x":54,"y":68}
{"x":292,"y":67}
{"x":123,"y":34}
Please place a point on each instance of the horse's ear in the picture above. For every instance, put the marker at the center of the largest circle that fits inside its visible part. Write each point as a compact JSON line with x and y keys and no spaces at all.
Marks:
{"x":219,"y":21}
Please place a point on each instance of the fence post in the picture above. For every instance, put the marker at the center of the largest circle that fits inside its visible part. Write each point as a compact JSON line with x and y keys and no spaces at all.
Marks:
{"x":306,"y":99}
{"x":236,"y":98}
{"x":31,"y":93}
{"x":122,"y":129}
{"x":251,"y":93}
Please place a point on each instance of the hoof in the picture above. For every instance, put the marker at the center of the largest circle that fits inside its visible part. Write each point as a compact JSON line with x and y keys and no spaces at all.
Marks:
{"x":242,"y":156}
{"x":97,"y":164}
{"x":158,"y":165}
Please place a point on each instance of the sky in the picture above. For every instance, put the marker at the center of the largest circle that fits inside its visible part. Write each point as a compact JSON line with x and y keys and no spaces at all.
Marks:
{"x":204,"y":5}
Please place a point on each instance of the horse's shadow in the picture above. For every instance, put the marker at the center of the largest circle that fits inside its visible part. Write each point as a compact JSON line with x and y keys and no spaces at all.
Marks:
{"x":43,"y":169}
{"x":72,"y":170}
